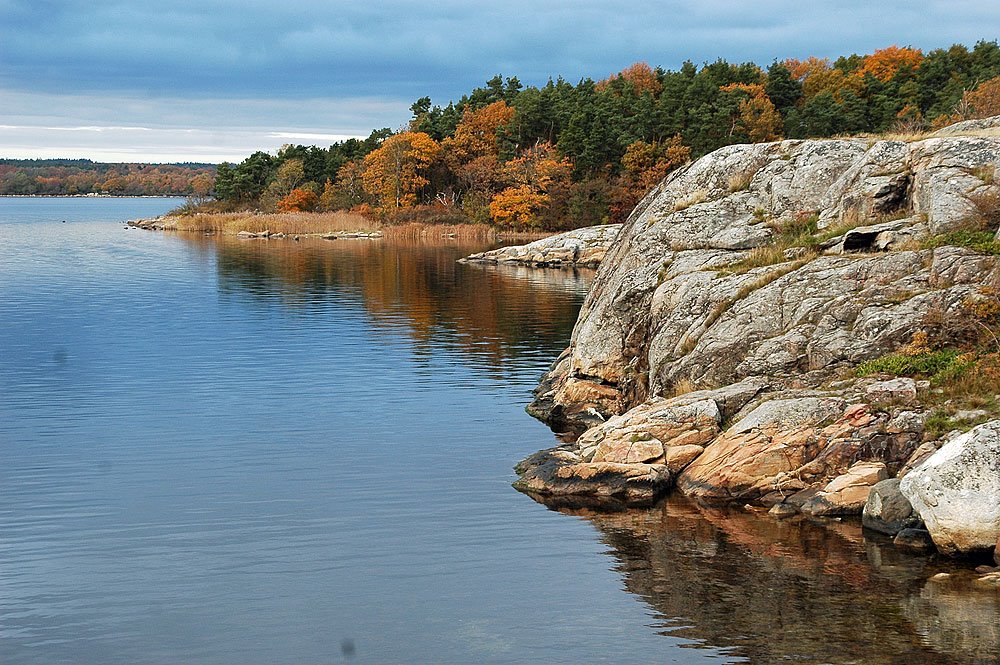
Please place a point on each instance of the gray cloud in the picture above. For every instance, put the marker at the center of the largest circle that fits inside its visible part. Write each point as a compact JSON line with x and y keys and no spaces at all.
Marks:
{"x":340,"y":67}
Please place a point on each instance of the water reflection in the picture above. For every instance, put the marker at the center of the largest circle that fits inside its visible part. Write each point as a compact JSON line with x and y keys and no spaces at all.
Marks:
{"x":491,"y":312}
{"x":795,"y":590}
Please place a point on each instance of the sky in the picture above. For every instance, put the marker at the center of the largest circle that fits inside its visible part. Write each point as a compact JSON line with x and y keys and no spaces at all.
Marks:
{"x":214,"y":80}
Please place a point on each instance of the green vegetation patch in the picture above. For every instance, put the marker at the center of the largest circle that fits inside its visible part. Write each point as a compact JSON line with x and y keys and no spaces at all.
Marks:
{"x":939,"y":366}
{"x":980,"y":241}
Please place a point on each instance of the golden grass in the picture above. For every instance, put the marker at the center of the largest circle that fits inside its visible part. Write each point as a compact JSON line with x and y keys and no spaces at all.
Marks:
{"x":740,"y":181}
{"x":420,"y":230}
{"x":322,"y":223}
{"x":302,"y":223}
{"x":694,"y":198}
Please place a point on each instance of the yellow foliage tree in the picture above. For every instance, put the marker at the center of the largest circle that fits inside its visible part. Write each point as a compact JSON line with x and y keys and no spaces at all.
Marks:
{"x":646,"y":164}
{"x":517,"y":206}
{"x":396,"y":171}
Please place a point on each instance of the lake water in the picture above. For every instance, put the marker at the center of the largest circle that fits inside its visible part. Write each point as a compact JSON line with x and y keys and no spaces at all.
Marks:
{"x":233,"y":451}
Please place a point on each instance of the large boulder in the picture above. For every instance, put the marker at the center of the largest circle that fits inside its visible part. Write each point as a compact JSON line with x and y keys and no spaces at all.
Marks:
{"x":847,"y":494}
{"x":887,"y":510}
{"x":956,"y":491}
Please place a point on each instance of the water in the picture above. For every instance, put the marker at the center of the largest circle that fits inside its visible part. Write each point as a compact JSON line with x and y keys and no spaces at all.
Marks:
{"x":229,"y":451}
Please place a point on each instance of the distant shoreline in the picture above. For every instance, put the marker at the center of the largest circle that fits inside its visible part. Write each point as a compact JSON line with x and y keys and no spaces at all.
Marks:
{"x":94,"y":196}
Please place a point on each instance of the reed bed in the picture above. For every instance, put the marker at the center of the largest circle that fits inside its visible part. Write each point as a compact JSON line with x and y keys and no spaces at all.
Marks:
{"x":301,"y":223}
{"x":321,"y":223}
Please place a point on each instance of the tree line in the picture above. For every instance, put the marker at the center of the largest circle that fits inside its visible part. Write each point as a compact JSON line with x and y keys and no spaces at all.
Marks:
{"x":62,"y":177}
{"x":565,"y":155}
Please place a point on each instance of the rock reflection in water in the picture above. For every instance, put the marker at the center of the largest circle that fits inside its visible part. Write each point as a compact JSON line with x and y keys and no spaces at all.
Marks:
{"x":795,"y":590}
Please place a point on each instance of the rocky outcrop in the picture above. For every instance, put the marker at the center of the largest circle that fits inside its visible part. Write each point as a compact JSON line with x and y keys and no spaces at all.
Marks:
{"x":584,"y":247}
{"x":788,"y":450}
{"x":687,"y":294}
{"x":847,"y":494}
{"x":770,"y":272}
{"x":956,"y":491}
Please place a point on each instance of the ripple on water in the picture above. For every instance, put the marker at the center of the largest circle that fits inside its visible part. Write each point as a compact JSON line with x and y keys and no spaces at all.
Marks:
{"x":235,"y":452}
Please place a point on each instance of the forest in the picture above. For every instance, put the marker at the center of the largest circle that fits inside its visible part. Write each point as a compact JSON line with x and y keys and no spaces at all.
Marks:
{"x":68,"y":177}
{"x":564,"y":155}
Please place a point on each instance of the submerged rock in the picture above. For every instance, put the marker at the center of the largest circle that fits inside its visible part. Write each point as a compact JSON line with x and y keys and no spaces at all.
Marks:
{"x":956,"y":491}
{"x":915,"y":540}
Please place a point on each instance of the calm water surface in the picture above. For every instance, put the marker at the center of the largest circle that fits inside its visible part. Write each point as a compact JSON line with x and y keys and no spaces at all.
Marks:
{"x":223,"y":451}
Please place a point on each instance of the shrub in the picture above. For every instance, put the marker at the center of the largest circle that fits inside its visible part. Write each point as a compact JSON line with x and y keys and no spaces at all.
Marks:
{"x":929,"y":364}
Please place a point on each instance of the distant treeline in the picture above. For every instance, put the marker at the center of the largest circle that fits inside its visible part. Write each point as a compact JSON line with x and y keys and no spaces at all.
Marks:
{"x":568,"y":155}
{"x":82,"y":176}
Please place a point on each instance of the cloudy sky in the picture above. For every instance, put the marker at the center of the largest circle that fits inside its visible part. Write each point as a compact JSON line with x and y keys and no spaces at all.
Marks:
{"x":208,"y":80}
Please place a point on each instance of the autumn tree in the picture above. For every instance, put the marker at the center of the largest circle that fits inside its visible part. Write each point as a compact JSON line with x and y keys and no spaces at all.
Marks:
{"x":289,"y":175}
{"x":298,"y":200}
{"x":644,"y":166}
{"x":201,"y":186}
{"x":476,"y":135}
{"x":884,"y":63}
{"x":756,"y":118}
{"x":984,"y":101}
{"x":473,"y":154}
{"x":533,"y":176}
{"x":396,"y":172}
{"x":349,"y":190}
{"x":639,"y":76}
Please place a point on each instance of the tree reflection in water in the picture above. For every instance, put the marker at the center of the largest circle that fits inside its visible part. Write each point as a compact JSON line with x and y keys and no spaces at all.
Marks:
{"x":488,"y":312}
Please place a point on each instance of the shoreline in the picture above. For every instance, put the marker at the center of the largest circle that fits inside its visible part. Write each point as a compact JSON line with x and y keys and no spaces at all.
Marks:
{"x":807,"y":327}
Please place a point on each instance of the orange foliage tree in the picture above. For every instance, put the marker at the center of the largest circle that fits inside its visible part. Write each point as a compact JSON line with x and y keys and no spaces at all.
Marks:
{"x":984,"y":101}
{"x":298,"y":200}
{"x":533,"y":176}
{"x":884,"y":63}
{"x":756,"y":118}
{"x":396,"y":171}
{"x":640,"y":75}
{"x":476,"y":135}
{"x":472,"y":154}
{"x":517,"y":206}
{"x":803,"y":69}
